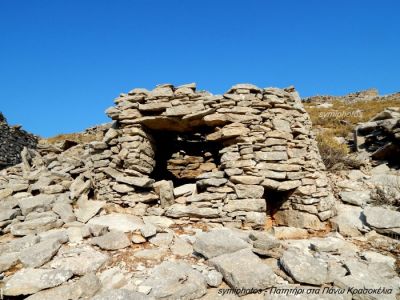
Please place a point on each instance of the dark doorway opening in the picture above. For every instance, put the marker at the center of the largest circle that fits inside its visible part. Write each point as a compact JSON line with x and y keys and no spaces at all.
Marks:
{"x":181,"y":157}
{"x":275,"y":199}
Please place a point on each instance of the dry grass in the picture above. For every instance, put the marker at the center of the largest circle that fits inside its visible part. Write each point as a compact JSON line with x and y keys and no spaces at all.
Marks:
{"x":341,"y":118}
{"x":334,"y":154}
{"x":79,"y":138}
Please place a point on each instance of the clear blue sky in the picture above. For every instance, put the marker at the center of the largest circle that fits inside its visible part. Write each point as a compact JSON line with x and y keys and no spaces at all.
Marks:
{"x":63,"y":62}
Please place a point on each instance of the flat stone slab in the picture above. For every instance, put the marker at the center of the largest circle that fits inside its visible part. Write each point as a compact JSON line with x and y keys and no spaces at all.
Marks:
{"x":244,"y":269}
{"x":176,"y":280}
{"x":40,"y":253}
{"x":19,"y":244}
{"x":358,"y":198}
{"x":29,"y":281}
{"x":88,"y":209}
{"x":304,"y":268}
{"x":39,"y":203}
{"x":349,"y":220}
{"x":218,"y":242}
{"x":113,"y":240}
{"x":116,"y":221}
{"x":8,"y":213}
{"x":8,"y":260}
{"x":35,"y":225}
{"x":84,"y":288}
{"x":383,"y":220}
{"x":80,"y":260}
{"x":121,"y":294}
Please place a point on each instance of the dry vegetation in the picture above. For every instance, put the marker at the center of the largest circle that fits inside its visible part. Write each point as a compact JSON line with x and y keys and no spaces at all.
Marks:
{"x":339,"y":121}
{"x":347,"y":114}
{"x":79,"y":138}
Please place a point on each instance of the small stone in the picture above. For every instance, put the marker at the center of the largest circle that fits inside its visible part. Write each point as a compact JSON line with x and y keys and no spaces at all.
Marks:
{"x":148,"y":230}
{"x":214,"y":278}
{"x":162,"y":239}
{"x":138,"y":239}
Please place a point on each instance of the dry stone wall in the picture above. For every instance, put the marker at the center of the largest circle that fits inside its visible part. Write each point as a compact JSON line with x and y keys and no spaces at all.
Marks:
{"x":268,"y":167}
{"x":12,"y":140}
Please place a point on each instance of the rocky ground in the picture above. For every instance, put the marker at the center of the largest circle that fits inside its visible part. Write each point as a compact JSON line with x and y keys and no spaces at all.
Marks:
{"x":52,"y":248}
{"x":58,"y":242}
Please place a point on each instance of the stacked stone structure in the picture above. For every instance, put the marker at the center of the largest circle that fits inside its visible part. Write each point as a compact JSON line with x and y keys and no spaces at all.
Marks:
{"x":260,"y":161}
{"x":12,"y":140}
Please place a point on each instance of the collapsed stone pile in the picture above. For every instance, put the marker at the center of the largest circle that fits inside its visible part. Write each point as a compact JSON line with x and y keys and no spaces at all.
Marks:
{"x":267,"y":156}
{"x":12,"y":140}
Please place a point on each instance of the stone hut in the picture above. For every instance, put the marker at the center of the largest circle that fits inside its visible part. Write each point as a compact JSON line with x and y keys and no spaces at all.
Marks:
{"x":247,"y":157}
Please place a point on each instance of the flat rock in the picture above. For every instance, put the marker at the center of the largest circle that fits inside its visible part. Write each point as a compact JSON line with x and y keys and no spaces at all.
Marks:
{"x":8,"y":214}
{"x":349,"y":220}
{"x":40,"y":253}
{"x":304,"y":268}
{"x":284,"y":233}
{"x":383,"y":220}
{"x":160,"y":222}
{"x":180,"y":210}
{"x":121,"y":294}
{"x":176,"y":280}
{"x":377,"y":275}
{"x":359,"y":198}
{"x":148,"y":230}
{"x":218,"y":242}
{"x":8,"y":260}
{"x":180,"y":247}
{"x":80,"y":260}
{"x":19,"y":244}
{"x":29,"y":281}
{"x":84,"y":288}
{"x":258,"y":205}
{"x":64,"y":210}
{"x":112,"y":240}
{"x":35,"y":225}
{"x":186,"y":189}
{"x":38,"y":203}
{"x":87,"y":209}
{"x":251,"y":191}
{"x":163,"y":239}
{"x":116,"y":221}
{"x":244,"y":269}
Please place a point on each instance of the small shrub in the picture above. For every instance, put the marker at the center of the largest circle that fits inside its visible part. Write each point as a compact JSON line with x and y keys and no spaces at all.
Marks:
{"x":334,"y":154}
